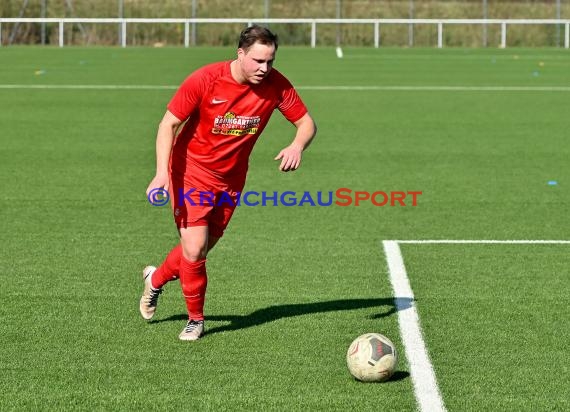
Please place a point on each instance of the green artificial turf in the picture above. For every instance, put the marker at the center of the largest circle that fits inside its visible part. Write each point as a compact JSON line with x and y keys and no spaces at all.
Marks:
{"x":289,"y":287}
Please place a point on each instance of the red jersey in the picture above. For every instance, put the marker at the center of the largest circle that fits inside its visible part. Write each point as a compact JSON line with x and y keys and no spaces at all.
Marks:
{"x":225,"y":118}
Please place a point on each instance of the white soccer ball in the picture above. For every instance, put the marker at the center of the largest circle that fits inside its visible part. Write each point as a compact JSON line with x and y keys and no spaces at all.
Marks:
{"x":372,"y":357}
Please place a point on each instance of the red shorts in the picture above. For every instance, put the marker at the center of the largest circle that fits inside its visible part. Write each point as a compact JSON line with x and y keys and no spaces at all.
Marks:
{"x":203,"y":200}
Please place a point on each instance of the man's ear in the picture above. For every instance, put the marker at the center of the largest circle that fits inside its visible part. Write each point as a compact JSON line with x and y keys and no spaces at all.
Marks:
{"x":240,"y":53}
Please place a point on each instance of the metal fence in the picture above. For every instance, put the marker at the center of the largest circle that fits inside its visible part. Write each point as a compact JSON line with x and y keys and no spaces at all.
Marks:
{"x":299,"y":22}
{"x":376,"y":25}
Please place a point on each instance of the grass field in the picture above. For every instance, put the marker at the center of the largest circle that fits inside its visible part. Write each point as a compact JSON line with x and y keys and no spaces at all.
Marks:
{"x":480,"y":132}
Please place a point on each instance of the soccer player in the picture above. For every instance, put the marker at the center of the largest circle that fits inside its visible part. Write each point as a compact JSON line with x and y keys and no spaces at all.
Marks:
{"x":223,"y":108}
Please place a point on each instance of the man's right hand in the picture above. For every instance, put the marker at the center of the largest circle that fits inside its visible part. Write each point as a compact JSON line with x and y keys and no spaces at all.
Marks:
{"x":158,"y":182}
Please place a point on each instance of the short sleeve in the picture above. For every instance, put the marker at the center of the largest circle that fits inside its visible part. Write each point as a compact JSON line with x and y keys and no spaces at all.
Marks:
{"x":290,"y":103}
{"x":188,"y":96}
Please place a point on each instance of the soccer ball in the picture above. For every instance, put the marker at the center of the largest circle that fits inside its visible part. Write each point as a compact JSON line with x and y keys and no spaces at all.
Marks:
{"x":372,"y":358}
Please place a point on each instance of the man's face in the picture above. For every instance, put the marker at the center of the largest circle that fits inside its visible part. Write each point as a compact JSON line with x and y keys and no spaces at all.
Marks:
{"x":257,"y":62}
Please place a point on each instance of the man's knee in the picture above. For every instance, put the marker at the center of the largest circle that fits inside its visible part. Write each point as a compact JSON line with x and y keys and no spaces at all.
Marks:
{"x":194,"y":252}
{"x":194,"y":243}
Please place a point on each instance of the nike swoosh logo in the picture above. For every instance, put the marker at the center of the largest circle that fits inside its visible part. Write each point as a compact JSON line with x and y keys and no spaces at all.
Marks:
{"x":216,"y":101}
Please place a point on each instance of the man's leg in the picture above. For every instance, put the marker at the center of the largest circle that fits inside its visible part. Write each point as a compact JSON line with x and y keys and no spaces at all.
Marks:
{"x":169,"y":270}
{"x":197,"y":241}
{"x":154,"y":279}
{"x":193,"y":277}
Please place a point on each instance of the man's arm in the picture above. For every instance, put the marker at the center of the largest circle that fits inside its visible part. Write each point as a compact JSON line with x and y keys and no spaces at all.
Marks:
{"x":291,"y":156}
{"x":164,"y":138}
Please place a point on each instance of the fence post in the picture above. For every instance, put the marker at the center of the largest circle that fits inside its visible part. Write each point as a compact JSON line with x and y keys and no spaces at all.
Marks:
{"x":503,"y":35}
{"x":43,"y":15}
{"x":376,"y":34}
{"x":338,"y":16}
{"x":186,"y":34}
{"x":439,"y":35}
{"x":558,"y":25}
{"x":411,"y":25}
{"x":124,"y":33}
{"x":567,"y":35}
{"x":194,"y":14}
{"x":61,"y":33}
{"x":121,"y":15}
{"x":484,"y":24}
{"x":0,"y":34}
{"x":314,"y":34}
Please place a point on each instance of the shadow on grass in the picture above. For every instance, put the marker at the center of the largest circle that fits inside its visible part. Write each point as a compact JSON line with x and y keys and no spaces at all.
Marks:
{"x":399,"y":376}
{"x":273,"y":313}
{"x":396,"y":377}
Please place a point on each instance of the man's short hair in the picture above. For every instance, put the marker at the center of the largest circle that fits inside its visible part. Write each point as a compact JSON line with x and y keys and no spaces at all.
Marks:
{"x":256,"y":34}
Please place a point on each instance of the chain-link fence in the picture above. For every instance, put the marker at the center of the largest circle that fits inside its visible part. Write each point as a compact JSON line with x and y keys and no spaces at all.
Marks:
{"x":291,"y":34}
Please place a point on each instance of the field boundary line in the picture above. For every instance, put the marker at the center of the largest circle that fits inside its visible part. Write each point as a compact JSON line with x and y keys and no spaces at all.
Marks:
{"x":87,"y":87}
{"x":426,"y":391}
{"x":300,"y":87}
{"x":441,"y":88}
{"x":485,"y":242}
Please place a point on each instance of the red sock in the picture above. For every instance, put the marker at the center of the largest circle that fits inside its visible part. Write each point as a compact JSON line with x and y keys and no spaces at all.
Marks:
{"x":194,"y":280}
{"x":169,"y":270}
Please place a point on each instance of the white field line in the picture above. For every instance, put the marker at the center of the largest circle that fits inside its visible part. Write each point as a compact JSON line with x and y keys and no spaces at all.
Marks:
{"x":87,"y":87}
{"x":318,"y":88}
{"x":501,"y":242}
{"x":441,"y":88}
{"x":426,"y":390}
